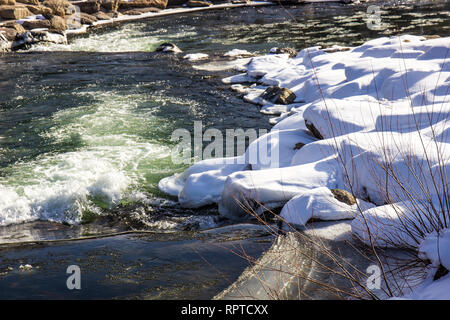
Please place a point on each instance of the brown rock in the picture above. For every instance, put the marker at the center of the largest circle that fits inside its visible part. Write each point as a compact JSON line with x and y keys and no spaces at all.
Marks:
{"x":198,"y":3}
{"x":7,"y":2}
{"x":161,"y":4}
{"x":138,"y":11}
{"x":9,"y":33}
{"x":343,"y":196}
{"x":33,"y":2}
{"x":101,"y":16}
{"x":45,"y":11}
{"x":14,"y":25}
{"x":110,"y":5}
{"x":279,"y":95}
{"x":14,"y":12}
{"x":36,"y":24}
{"x":58,"y":7}
{"x":58,"y":24}
{"x":90,"y":7}
{"x":87,"y":18}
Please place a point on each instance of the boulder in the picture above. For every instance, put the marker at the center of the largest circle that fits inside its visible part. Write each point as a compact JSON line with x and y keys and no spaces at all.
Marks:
{"x":87,"y":18}
{"x":279,"y":95}
{"x":343,"y":196}
{"x":90,"y":7}
{"x":58,"y":24}
{"x":9,"y":33}
{"x":58,"y":7}
{"x":14,"y":25}
{"x":110,"y":5}
{"x":101,"y":16}
{"x":14,"y":12}
{"x":33,"y":2}
{"x":161,"y":4}
{"x":7,"y":2}
{"x":45,"y":11}
{"x":138,"y":11}
{"x":198,"y":3}
{"x":36,"y":24}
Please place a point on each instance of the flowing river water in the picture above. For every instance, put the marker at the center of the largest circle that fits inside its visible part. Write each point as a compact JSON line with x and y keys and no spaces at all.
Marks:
{"x":85,"y":137}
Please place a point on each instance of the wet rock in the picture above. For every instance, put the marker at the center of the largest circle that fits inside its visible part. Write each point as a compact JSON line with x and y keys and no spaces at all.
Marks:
{"x":46,"y":36}
{"x":168,"y":47}
{"x":14,"y":12}
{"x":198,"y":3}
{"x":161,"y":4}
{"x":91,"y":6}
{"x":279,"y":95}
{"x":343,"y":196}
{"x":36,"y":24}
{"x":290,"y":51}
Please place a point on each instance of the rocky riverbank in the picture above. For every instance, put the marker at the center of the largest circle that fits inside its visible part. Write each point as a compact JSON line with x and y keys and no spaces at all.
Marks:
{"x":27,"y":22}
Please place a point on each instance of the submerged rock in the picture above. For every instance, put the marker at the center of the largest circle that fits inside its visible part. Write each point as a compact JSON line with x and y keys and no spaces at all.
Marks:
{"x":168,"y":47}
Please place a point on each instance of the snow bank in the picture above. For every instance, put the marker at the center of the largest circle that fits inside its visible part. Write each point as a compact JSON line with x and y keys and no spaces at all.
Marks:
{"x":372,"y":119}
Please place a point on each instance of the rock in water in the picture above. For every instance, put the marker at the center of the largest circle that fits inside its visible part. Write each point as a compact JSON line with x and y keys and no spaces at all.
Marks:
{"x":168,"y":47}
{"x":290,"y":51}
{"x":343,"y":196}
{"x":279,"y":95}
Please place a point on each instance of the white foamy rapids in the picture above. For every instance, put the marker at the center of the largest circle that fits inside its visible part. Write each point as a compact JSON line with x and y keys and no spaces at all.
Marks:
{"x":132,"y":37}
{"x":109,"y":167}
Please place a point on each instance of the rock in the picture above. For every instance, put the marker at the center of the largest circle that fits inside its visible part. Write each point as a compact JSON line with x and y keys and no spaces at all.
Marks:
{"x":299,"y":146}
{"x":45,"y":11}
{"x":279,"y":95}
{"x":9,"y":33}
{"x":101,"y":16}
{"x":58,"y":24}
{"x":110,"y":5}
{"x":4,"y":43}
{"x":161,"y":4}
{"x":36,"y":24}
{"x":176,"y":3}
{"x":291,"y":51}
{"x":14,"y":25}
{"x":343,"y":196}
{"x":39,"y":36}
{"x":138,"y":11}
{"x":58,"y":7}
{"x":433,"y":36}
{"x":198,"y":3}
{"x":168,"y":47}
{"x":87,"y":18}
{"x":91,"y":6}
{"x":313,"y":130}
{"x":14,"y":12}
{"x":7,"y":2}
{"x":33,"y":2}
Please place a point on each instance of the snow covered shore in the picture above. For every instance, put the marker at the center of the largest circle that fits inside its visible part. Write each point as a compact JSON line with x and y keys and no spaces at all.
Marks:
{"x":372,"y":120}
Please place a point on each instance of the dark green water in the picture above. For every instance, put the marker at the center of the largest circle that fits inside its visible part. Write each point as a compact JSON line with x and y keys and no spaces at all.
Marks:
{"x":85,"y":128}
